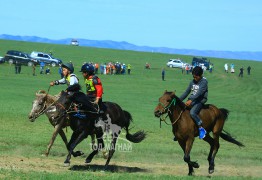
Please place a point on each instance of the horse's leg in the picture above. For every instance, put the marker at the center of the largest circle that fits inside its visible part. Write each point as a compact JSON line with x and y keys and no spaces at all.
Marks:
{"x":57,"y":130}
{"x":111,"y":151}
{"x":112,"y":147}
{"x":210,"y":141}
{"x":76,"y":138}
{"x":187,"y":146}
{"x":100,"y":145}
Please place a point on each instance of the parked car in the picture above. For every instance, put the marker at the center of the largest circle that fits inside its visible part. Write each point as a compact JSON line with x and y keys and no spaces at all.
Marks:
{"x":74,"y":42}
{"x":175,"y":63}
{"x":202,"y":62}
{"x":12,"y":56}
{"x":2,"y":60}
{"x":46,"y":58}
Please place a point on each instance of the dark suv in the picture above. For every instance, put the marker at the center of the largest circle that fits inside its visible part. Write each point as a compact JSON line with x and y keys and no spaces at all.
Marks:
{"x":21,"y":57}
{"x":200,"y":61}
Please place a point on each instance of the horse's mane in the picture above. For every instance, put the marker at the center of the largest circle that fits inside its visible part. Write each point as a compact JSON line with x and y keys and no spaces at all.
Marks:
{"x":50,"y":98}
{"x":180,"y":103}
{"x":85,"y":101}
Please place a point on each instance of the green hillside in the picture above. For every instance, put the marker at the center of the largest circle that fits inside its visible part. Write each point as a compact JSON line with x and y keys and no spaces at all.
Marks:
{"x":23,"y":142}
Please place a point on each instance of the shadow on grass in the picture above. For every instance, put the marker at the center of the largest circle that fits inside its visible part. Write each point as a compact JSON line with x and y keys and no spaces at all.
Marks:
{"x":111,"y":168}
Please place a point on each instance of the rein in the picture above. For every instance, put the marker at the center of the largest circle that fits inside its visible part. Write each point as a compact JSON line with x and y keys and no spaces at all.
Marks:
{"x":173,"y":102}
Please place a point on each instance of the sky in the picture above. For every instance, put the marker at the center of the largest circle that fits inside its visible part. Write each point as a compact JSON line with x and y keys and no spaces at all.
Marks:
{"x":223,"y":25}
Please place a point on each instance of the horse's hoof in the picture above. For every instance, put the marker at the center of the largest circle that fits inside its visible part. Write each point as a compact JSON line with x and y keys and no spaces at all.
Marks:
{"x":88,"y":161}
{"x":66,"y":164}
{"x":211,"y":170}
{"x":191,"y":173}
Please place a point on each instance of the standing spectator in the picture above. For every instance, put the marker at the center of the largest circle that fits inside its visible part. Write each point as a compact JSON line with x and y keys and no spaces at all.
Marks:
{"x":187,"y":68}
{"x":42,"y":67}
{"x":129,"y":68}
{"x":226,"y":68}
{"x":183,"y":68}
{"x":248,"y":70}
{"x":101,"y":68}
{"x":241,"y":72}
{"x":104,"y":69}
{"x":232,"y":68}
{"x":19,"y":67}
{"x":163,"y":74}
{"x":210,"y":68}
{"x":123,"y":69}
{"x":60,"y":71}
{"x":96,"y":68}
{"x":16,"y":67}
{"x":33,"y":68}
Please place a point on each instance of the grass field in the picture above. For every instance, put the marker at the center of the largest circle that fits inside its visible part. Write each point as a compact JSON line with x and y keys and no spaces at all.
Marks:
{"x":22,"y":143}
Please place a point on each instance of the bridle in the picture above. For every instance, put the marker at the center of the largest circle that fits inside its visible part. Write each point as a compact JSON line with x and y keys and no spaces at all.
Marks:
{"x":167,"y":110}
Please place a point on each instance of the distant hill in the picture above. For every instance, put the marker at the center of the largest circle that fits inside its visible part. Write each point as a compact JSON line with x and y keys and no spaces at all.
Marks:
{"x":243,"y":55}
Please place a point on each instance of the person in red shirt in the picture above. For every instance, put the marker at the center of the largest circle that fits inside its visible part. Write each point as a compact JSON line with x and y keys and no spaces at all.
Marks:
{"x":94,"y":88}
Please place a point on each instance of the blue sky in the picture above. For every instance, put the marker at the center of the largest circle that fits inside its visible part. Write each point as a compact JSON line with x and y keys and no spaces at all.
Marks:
{"x":233,"y":25}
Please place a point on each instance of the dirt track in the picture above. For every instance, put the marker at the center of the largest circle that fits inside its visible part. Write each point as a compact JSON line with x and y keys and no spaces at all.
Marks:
{"x":55,"y":165}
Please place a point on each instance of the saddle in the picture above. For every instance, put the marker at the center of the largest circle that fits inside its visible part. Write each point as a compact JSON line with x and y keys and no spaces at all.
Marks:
{"x":205,"y":106}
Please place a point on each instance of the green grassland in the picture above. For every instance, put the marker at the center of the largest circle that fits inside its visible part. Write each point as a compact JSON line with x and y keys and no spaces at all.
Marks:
{"x":138,"y":93}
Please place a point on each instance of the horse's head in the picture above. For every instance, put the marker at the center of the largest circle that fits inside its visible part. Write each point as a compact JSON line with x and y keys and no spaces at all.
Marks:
{"x":39,"y":105}
{"x":165,"y":102}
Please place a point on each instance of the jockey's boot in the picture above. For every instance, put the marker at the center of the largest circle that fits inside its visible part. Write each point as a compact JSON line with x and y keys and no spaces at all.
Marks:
{"x":202,"y":132}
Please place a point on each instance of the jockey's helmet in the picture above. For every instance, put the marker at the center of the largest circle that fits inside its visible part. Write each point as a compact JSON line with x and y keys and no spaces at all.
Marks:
{"x":68,"y":66}
{"x":88,"y":68}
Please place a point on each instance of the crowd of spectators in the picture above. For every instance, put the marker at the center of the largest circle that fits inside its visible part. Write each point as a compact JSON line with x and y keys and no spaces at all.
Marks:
{"x":111,"y":68}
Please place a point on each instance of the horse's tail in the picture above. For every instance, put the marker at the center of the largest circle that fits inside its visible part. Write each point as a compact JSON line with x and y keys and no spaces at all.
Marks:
{"x":226,"y":136}
{"x":136,"y":137}
{"x":224,"y":113}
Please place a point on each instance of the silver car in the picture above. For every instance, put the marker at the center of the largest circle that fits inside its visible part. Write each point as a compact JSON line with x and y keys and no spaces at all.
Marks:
{"x":46,"y":58}
{"x":175,"y":63}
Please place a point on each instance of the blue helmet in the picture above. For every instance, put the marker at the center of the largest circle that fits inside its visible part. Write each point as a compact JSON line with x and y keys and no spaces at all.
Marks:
{"x":68,"y":66}
{"x":88,"y":68}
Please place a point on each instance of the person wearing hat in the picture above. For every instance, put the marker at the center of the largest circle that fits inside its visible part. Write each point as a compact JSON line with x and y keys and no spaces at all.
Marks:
{"x":94,"y":88}
{"x":69,"y":78}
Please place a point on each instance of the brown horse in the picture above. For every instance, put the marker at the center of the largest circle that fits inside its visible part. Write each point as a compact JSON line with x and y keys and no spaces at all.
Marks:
{"x":185,"y":130}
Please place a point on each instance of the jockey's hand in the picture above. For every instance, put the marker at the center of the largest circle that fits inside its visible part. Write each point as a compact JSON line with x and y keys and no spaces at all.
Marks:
{"x":188,"y":103}
{"x":52,"y":83}
{"x":97,"y":100}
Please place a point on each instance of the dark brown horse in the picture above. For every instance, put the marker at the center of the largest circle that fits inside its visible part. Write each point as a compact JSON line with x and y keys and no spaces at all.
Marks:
{"x":185,"y":130}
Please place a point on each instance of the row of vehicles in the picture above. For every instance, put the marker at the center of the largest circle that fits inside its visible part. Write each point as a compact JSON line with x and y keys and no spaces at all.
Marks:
{"x":196,"y":61}
{"x":23,"y":58}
